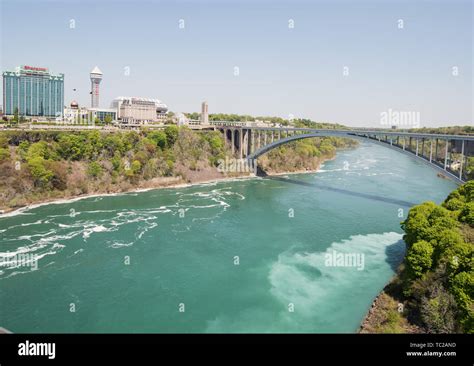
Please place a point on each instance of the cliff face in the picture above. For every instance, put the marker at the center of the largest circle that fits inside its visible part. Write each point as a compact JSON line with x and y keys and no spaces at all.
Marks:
{"x":37,"y":166}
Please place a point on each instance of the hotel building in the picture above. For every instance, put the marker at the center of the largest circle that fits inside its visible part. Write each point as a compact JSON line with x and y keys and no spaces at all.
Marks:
{"x":139,"y":110}
{"x":34,"y":91}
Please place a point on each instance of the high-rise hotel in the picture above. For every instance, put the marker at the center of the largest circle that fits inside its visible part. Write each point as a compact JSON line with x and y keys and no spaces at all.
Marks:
{"x":34,"y":91}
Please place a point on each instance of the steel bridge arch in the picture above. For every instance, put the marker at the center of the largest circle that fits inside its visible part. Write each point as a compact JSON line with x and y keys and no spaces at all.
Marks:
{"x":347,"y":134}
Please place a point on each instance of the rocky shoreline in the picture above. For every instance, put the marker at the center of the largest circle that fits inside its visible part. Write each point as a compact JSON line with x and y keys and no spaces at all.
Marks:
{"x":197,"y":177}
{"x":387,"y":315}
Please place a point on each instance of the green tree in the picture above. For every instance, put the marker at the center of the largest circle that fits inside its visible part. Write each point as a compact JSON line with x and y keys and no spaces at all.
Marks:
{"x":159,"y":137}
{"x":116,"y":161}
{"x":41,"y":148}
{"x":130,"y":140}
{"x":38,"y":171}
{"x":71,"y":146}
{"x":171,"y":135}
{"x":467,"y":214}
{"x":136,"y":167}
{"x":108,"y":119}
{"x":94,"y":169}
{"x":417,"y":223}
{"x":419,"y":258}
{"x":16,"y":118}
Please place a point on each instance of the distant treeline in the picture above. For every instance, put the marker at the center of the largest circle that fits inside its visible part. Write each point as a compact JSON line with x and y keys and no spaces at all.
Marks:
{"x":451,"y":130}
{"x":297,"y":122}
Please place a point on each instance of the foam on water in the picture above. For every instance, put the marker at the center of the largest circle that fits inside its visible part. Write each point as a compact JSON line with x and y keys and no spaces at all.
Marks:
{"x":304,"y":280}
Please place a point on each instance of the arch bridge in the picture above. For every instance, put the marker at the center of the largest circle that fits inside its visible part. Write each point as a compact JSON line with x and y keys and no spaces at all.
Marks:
{"x":446,"y":153}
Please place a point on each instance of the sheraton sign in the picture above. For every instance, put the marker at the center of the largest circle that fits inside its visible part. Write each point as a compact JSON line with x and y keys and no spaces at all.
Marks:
{"x":33,"y":68}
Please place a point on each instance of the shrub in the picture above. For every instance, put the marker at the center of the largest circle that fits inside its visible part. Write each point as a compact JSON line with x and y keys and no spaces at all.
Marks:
{"x":171,"y":135}
{"x":38,"y":171}
{"x":4,"y":154}
{"x":94,"y":170}
{"x":467,"y":214}
{"x":159,"y":138}
{"x":439,"y":312}
{"x":419,"y":257}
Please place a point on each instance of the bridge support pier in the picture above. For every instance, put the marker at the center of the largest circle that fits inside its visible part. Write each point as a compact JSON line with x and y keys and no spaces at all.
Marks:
{"x":431,"y":150}
{"x":436,"y":150}
{"x":241,"y":140}
{"x":446,"y":156}
{"x":252,"y":142}
{"x":462,"y":160}
{"x":416,"y":147}
{"x":248,"y":145}
{"x":232,"y":141}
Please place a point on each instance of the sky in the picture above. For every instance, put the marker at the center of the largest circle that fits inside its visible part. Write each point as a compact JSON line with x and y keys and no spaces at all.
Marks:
{"x":331,"y":61}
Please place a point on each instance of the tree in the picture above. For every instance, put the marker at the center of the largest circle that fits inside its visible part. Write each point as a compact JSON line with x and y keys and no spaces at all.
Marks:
{"x":439,"y":312}
{"x":467,"y":214}
{"x":38,"y":171}
{"x":171,"y":135}
{"x":416,"y":224}
{"x":130,"y":140}
{"x":108,"y":119}
{"x":16,"y":118}
{"x":419,"y":258}
{"x":41,"y":148}
{"x":136,"y":167}
{"x":462,"y":287}
{"x":113,"y":144}
{"x":94,"y":169}
{"x":71,"y":146}
{"x":159,"y":137}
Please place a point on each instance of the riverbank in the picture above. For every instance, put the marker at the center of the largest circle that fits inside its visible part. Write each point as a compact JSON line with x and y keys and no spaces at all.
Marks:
{"x":432,"y":289}
{"x":387,"y":314}
{"x":45,"y":166}
{"x":156,"y":183}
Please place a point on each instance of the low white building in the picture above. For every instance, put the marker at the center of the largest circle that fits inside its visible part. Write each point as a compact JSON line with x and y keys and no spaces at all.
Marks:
{"x":181,"y":119}
{"x":139,"y":110}
{"x":75,"y":114}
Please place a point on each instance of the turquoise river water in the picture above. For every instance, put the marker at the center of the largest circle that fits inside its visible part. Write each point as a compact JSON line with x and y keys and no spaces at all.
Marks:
{"x":248,"y":255}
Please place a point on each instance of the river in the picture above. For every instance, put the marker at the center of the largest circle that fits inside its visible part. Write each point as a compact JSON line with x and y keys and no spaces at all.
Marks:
{"x":249,"y":255}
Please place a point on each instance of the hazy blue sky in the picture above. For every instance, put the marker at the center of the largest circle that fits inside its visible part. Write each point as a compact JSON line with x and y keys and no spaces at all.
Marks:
{"x":282,"y":71}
